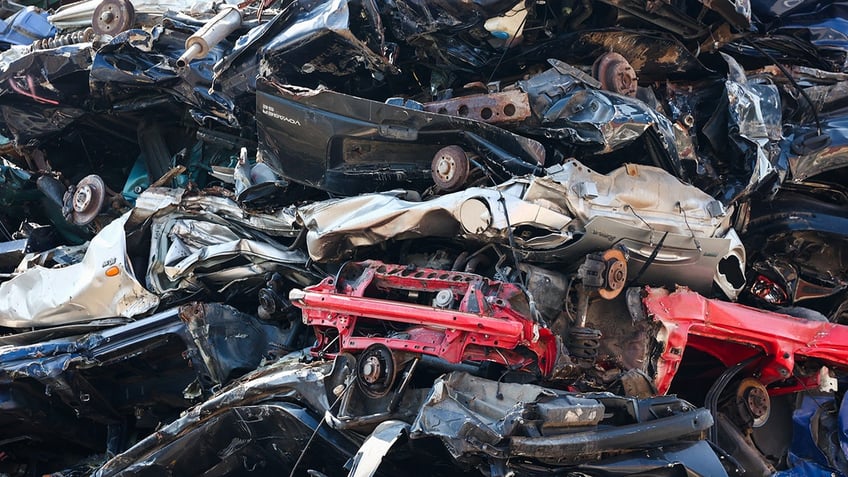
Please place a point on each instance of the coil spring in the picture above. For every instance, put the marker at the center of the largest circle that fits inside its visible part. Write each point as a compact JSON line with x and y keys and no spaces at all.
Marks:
{"x":583,"y":344}
{"x":63,"y":40}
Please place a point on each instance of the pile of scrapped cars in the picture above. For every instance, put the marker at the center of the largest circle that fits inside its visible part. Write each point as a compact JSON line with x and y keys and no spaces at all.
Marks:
{"x":408,"y":237}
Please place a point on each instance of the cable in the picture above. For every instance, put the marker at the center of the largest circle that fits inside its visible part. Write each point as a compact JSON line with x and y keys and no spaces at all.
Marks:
{"x":649,"y":261}
{"x":510,"y":237}
{"x":633,"y":211}
{"x":5,"y":231}
{"x":534,"y":312}
{"x":315,"y":433}
{"x":692,"y":232}
{"x":711,"y":400}
{"x":507,"y":46}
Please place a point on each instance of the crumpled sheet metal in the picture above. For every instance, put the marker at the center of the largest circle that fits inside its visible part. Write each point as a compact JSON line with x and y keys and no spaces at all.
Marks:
{"x":335,"y":227}
{"x":60,"y":393}
{"x":636,"y":194}
{"x":820,"y":25}
{"x":369,"y":456}
{"x":696,"y":457}
{"x":195,"y":238}
{"x":253,"y":439}
{"x":697,"y":262}
{"x":430,"y":27}
{"x":84,"y":291}
{"x":79,"y":14}
{"x":573,"y":211}
{"x":348,"y":145}
{"x":809,"y":164}
{"x":137,"y":61}
{"x":689,"y":319}
{"x":45,"y":64}
{"x":640,"y":205}
{"x":464,"y":411}
{"x":41,"y":110}
{"x":672,"y":18}
{"x":190,"y":250}
{"x":220,"y":344}
{"x":817,"y":419}
{"x":279,"y":222}
{"x":599,"y":122}
{"x":331,"y":18}
{"x":289,"y":386}
{"x":476,"y":416}
{"x":283,"y":380}
{"x":755,"y":123}
{"x":160,"y":200}
{"x":608,"y":121}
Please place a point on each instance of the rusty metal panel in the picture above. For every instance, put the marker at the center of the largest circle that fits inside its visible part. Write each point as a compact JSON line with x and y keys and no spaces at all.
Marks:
{"x":493,"y":108}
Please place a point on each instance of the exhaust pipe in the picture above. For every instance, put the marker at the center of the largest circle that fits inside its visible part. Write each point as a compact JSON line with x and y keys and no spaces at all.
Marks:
{"x":215,"y":30}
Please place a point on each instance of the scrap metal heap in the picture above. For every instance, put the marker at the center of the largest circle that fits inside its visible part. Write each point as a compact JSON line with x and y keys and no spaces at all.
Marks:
{"x":384,"y":237}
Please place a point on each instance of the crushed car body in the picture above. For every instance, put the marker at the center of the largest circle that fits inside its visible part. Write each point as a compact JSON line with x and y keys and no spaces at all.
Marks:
{"x":385,"y":237}
{"x":101,"y":284}
{"x":495,"y":432}
{"x":115,"y":377}
{"x":558,"y":217}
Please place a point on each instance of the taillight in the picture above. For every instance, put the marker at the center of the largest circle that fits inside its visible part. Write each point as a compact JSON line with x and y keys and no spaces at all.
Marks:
{"x":769,"y":291}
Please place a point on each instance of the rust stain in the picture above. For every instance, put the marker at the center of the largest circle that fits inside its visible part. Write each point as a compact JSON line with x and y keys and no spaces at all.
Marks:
{"x":493,"y":108}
